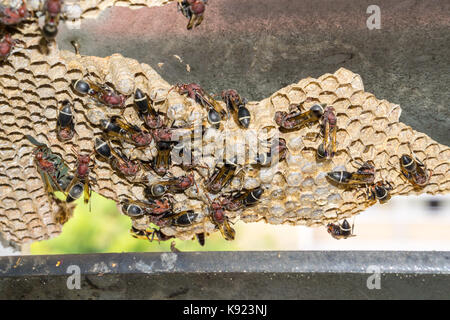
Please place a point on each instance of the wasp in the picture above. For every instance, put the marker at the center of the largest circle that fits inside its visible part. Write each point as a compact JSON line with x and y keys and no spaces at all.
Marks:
{"x":365,"y":175}
{"x":146,"y":112}
{"x":116,"y":127}
{"x":7,"y":45}
{"x":11,"y":16}
{"x":156,"y":190}
{"x":52,"y":10}
{"x":222,"y":177}
{"x":328,"y":127}
{"x":296,"y":119}
{"x":135,"y":208}
{"x":278,"y":149}
{"x":243,"y":199}
{"x":182,"y":183}
{"x":83,"y":160}
{"x":160,"y":207}
{"x":193,"y":10}
{"x":117,"y":160}
{"x":173,"y":247}
{"x":181,"y":219}
{"x":83,"y":87}
{"x":193,"y":91}
{"x":215,"y":111}
{"x":163,"y":134}
{"x":174,"y":185}
{"x":340,"y":231}
{"x":379,"y":191}
{"x":415,"y":171}
{"x":52,"y":168}
{"x":220,"y":220}
{"x":66,"y":125}
{"x":102,"y":93}
{"x":237,"y":107}
{"x":81,"y":182}
{"x":149,"y":234}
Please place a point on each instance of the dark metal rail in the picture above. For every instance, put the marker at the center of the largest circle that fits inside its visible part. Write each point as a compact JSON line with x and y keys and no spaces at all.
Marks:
{"x":229,"y":275}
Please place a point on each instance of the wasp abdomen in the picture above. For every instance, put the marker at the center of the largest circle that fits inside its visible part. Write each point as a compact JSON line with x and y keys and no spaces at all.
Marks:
{"x":214,"y":118}
{"x":102,"y":148}
{"x":185,"y":219}
{"x":254,"y":196}
{"x":141,"y":101}
{"x":157,"y":190}
{"x":339,"y":176}
{"x":65,"y":115}
{"x":408,"y":163}
{"x":75,"y":192}
{"x":132,"y":210}
{"x":81,"y":86}
{"x":244,"y":116}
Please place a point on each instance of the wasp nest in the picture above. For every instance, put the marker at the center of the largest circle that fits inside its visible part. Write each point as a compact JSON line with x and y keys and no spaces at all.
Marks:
{"x":296,"y":191}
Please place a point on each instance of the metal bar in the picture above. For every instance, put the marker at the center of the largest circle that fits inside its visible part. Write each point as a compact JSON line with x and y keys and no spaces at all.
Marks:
{"x":230,"y":275}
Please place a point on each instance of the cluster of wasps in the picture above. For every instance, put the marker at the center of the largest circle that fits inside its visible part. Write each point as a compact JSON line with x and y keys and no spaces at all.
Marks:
{"x":159,"y":203}
{"x":411,"y":168}
{"x":11,"y":17}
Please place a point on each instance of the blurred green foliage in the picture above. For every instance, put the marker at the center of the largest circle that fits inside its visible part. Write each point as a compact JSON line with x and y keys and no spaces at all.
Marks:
{"x":105,"y":229}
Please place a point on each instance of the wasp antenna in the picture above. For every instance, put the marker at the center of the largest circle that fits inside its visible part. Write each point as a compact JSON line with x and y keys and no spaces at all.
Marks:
{"x":196,"y":186}
{"x":76,"y":46}
{"x":353,"y":224}
{"x":209,"y":199}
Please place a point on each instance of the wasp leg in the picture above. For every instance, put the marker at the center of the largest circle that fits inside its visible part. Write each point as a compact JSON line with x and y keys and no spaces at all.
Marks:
{"x":326,"y":138}
{"x":46,"y":180}
{"x":406,"y":175}
{"x":333,"y":142}
{"x":199,"y":20}
{"x":368,"y":193}
{"x":87,"y":191}
{"x":391,"y":187}
{"x":353,"y":228}
{"x":71,"y":184}
{"x":153,"y":236}
{"x":191,"y":21}
{"x":371,"y":196}
{"x":196,"y":186}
